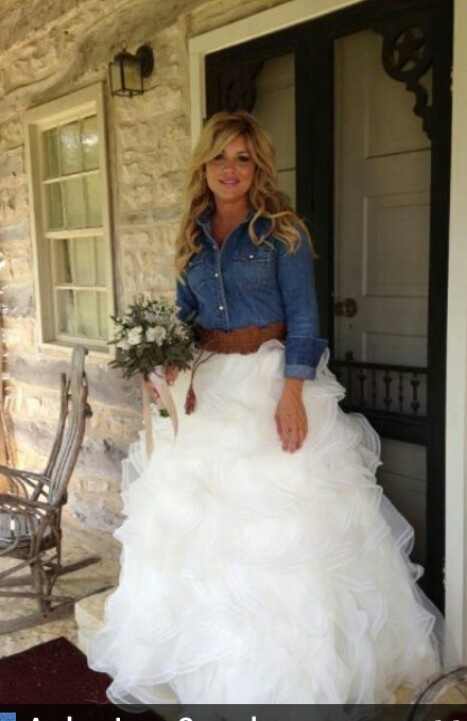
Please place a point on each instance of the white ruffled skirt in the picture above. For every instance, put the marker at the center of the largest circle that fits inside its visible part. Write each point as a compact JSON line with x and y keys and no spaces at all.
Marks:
{"x":251,"y":575}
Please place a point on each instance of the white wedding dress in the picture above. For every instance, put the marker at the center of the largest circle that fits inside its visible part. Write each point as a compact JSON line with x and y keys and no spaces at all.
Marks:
{"x":251,"y":575}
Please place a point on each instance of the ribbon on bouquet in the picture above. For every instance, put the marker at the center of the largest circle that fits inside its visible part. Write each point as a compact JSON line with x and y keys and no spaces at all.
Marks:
{"x":157,"y":377}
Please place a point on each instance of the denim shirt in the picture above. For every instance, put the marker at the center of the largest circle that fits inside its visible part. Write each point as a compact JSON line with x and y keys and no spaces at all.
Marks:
{"x":242,"y":284}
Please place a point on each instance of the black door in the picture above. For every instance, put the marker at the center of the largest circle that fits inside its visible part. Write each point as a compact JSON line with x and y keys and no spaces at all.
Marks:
{"x":416,"y":37}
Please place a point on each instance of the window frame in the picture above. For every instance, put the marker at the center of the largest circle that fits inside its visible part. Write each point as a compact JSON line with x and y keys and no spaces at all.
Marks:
{"x":73,"y":106}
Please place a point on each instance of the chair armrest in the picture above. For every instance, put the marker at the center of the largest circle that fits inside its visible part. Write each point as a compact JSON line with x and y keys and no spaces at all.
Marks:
{"x":21,"y":480}
{"x":22,"y":518}
{"x":12,"y":504}
{"x":26,"y":475}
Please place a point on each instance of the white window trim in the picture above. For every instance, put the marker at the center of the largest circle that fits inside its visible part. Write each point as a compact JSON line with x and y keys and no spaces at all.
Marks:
{"x":297,"y":11}
{"x":89,"y":100}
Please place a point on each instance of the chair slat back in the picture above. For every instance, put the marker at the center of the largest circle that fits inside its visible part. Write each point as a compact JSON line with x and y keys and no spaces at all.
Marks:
{"x":5,"y":527}
{"x":63,"y":458}
{"x":60,"y":426}
{"x":11,"y":525}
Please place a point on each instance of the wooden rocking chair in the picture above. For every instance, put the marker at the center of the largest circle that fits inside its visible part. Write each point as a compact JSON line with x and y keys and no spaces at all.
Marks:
{"x":30,"y":512}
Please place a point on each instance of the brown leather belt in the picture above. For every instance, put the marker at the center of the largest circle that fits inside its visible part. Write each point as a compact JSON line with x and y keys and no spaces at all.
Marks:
{"x":241,"y":340}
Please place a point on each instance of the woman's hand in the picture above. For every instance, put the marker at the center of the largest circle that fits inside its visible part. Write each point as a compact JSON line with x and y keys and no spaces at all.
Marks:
{"x":171,"y":375}
{"x":291,"y":420}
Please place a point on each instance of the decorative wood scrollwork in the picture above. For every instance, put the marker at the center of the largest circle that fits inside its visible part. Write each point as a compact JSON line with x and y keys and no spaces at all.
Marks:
{"x":406,"y":57}
{"x":238,"y":86}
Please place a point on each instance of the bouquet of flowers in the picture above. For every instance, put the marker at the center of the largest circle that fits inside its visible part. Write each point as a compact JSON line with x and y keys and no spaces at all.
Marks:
{"x":150,"y":335}
{"x":149,"y":338}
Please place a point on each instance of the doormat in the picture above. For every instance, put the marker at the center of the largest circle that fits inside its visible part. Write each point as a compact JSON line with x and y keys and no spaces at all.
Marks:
{"x":55,"y":672}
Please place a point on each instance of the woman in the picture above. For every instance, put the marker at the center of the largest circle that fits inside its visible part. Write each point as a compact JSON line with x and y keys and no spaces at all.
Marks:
{"x":259,"y":565}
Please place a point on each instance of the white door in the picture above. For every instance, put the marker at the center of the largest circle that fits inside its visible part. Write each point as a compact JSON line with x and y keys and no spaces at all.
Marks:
{"x":382,"y":212}
{"x":382,"y":209}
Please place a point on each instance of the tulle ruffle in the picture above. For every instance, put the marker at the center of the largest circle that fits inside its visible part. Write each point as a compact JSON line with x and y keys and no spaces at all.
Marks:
{"x":250,"y":575}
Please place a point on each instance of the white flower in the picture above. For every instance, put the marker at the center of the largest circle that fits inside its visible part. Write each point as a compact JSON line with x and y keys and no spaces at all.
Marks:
{"x":159,"y":334}
{"x":179,"y":332}
{"x":156,"y":334}
{"x":151,"y":335}
{"x":135,"y":335}
{"x":123,"y":344}
{"x":150,"y":317}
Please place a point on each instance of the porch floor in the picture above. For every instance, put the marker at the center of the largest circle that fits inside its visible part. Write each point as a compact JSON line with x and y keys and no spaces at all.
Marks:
{"x":78,"y":541}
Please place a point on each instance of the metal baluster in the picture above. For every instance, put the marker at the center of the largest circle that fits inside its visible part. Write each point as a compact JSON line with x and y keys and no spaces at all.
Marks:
{"x":349,"y":384}
{"x":387,"y":378}
{"x":401,"y":392}
{"x":361,"y":379}
{"x":415,"y":382}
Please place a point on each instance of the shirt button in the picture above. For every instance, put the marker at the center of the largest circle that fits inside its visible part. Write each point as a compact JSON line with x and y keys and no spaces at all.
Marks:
{"x":221,"y":307}
{"x":216,"y":275}
{"x":251,"y":257}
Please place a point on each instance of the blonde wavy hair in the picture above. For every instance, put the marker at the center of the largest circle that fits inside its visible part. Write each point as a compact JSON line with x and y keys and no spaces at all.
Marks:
{"x":265,"y":197}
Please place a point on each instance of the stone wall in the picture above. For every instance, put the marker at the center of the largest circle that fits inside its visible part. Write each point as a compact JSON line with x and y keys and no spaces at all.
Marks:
{"x":50,"y":48}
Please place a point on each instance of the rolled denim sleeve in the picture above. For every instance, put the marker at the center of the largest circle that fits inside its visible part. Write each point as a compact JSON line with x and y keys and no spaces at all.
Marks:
{"x":187,"y":302}
{"x":303,"y":347}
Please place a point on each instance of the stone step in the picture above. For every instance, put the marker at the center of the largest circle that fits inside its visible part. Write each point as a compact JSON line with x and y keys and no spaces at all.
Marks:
{"x":89,"y":617}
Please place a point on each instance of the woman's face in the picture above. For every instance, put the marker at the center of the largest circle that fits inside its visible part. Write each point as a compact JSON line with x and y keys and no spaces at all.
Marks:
{"x":230,"y":174}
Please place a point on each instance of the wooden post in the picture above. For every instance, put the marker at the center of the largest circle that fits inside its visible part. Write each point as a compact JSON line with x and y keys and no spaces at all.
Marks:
{"x":6,"y":449}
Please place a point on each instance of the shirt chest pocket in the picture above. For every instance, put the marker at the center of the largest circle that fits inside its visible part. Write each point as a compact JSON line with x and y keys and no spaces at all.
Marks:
{"x":196,"y":272}
{"x":254,"y":268}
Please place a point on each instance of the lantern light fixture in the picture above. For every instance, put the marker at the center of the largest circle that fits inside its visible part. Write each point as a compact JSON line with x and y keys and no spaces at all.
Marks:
{"x":127,"y":71}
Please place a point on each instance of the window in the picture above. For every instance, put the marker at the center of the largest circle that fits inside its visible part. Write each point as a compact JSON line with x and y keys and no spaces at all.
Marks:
{"x":70,"y":219}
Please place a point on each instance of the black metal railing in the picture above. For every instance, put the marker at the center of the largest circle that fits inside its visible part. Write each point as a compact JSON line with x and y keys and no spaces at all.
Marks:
{"x":393,"y":397}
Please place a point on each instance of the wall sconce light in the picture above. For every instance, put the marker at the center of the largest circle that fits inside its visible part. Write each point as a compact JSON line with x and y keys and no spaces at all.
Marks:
{"x":128,"y":71}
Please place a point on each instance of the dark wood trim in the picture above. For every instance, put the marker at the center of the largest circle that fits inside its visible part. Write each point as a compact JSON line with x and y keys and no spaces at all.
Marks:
{"x":314,"y":196}
{"x":437,"y":306}
{"x":369,"y":13}
{"x":313,"y":44}
{"x":259,"y":49}
{"x":397,"y":426}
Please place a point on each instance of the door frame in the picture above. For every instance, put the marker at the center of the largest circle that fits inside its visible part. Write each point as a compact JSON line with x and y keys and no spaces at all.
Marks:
{"x":300,"y":11}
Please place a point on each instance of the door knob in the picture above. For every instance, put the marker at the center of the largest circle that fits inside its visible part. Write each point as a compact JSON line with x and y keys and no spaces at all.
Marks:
{"x":348,"y":308}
